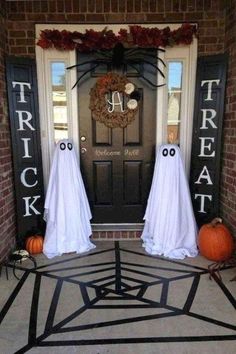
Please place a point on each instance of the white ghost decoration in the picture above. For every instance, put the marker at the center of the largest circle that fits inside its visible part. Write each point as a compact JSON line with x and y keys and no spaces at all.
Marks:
{"x":170,"y":227}
{"x":67,"y":210}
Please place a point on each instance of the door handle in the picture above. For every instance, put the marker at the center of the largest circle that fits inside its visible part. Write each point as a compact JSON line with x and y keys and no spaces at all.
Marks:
{"x":83,"y":150}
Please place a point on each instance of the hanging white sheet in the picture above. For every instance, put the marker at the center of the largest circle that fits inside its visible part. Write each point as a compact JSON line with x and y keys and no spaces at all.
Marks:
{"x":170,"y":227}
{"x":67,"y":211}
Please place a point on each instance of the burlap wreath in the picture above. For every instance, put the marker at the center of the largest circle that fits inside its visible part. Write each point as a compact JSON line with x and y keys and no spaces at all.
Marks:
{"x":98,"y":101}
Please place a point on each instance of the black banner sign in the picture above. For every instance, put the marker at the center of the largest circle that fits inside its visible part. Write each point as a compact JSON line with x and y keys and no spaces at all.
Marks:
{"x":25,"y":134}
{"x":207,"y":132}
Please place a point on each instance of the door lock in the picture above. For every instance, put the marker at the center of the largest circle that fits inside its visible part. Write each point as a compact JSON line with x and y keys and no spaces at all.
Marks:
{"x":83,"y":138}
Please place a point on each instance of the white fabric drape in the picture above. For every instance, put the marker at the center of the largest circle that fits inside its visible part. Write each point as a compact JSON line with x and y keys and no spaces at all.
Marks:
{"x":67,"y":211}
{"x":170,"y":227}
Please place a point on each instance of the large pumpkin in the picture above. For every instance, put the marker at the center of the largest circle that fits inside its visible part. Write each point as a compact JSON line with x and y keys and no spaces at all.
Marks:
{"x":215,"y":241}
{"x":34,"y":244}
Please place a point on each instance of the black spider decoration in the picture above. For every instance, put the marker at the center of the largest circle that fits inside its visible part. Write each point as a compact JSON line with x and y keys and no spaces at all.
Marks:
{"x":16,"y":257}
{"x":120,"y":56}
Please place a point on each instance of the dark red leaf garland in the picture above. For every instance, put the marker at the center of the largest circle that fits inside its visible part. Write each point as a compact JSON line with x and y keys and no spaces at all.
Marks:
{"x":100,"y":40}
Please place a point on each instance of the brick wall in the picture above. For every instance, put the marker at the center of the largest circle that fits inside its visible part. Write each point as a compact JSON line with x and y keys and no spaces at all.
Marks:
{"x":228,"y":196}
{"x":7,"y":210}
{"x":23,"y":15}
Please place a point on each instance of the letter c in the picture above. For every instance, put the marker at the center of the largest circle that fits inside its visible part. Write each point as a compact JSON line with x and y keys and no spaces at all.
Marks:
{"x":23,"y":180}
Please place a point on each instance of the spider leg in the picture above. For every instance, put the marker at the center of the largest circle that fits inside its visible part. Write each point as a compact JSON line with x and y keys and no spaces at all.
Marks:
{"x":136,"y":61}
{"x":87,"y":62}
{"x":147,"y":80}
{"x":142,"y":58}
{"x":33,"y":260}
{"x":106,"y":54}
{"x":14,"y":270}
{"x":87,"y":71}
{"x":139,"y":55}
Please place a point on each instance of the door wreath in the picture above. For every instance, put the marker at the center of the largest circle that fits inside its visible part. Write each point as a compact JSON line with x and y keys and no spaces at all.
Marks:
{"x":102,"y":107}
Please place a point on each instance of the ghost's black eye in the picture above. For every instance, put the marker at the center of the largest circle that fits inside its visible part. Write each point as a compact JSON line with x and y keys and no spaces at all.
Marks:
{"x":172,"y":152}
{"x":62,"y":146}
{"x":70,"y":146}
{"x":165,"y":152}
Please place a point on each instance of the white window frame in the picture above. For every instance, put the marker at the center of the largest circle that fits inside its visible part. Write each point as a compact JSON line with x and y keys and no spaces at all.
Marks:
{"x":187,"y":54}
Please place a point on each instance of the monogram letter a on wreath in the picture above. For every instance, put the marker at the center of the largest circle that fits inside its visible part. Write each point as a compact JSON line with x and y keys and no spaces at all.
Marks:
{"x":114,"y":100}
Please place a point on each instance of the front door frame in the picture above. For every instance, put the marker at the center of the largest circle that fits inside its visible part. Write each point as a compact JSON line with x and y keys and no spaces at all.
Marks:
{"x":188,"y":54}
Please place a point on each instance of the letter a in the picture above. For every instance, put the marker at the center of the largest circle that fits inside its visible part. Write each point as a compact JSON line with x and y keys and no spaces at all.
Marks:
{"x":204,"y":175}
{"x":113,"y":103}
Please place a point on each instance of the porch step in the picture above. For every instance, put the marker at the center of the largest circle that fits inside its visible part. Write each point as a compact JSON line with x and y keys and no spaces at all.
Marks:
{"x":116,"y":235}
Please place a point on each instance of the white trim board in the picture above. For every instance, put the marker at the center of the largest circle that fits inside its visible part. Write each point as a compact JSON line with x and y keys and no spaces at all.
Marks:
{"x":188,"y":54}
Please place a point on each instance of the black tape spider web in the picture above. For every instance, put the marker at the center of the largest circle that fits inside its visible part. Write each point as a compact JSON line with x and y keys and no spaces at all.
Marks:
{"x":110,"y":289}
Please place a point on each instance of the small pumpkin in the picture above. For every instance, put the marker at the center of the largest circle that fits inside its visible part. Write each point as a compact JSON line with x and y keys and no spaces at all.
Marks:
{"x":215,"y":241}
{"x":34,"y":244}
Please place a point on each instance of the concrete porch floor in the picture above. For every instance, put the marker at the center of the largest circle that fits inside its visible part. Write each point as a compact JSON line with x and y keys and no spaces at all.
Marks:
{"x":117,"y":299}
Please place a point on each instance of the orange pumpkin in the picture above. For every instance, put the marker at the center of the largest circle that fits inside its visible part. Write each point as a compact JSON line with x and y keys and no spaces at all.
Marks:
{"x":34,"y":244}
{"x":215,"y":241}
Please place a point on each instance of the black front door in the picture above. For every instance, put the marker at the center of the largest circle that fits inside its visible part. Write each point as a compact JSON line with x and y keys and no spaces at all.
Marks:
{"x":117,"y":163}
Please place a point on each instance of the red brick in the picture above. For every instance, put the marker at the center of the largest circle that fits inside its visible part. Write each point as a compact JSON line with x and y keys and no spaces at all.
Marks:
{"x":107,"y":6}
{"x":36,"y":6}
{"x":44,"y":6}
{"x":95,"y":235}
{"x":95,"y":18}
{"x":30,"y":34}
{"x":76,"y":18}
{"x":145,"y":7}
{"x":75,"y":4}
{"x":18,"y":50}
{"x":60,"y":6}
{"x":25,"y":41}
{"x":56,"y":17}
{"x":37,"y":17}
{"x":207,"y":5}
{"x":114,"y":18}
{"x":155,"y":17}
{"x":99,"y":6}
{"x":176,"y":6}
{"x":191,"y":5}
{"x":152,"y":5}
{"x":183,"y":5}
{"x":130,"y":5}
{"x":17,"y":34}
{"x":122,"y":6}
{"x":91,"y":6}
{"x":29,"y":6}
{"x":12,"y":7}
{"x":52,"y":6}
{"x":135,"y":18}
{"x":194,"y":16}
{"x":114,"y":6}
{"x":83,"y":5}
{"x":168,"y":5}
{"x":109,"y":234}
{"x":174,"y":16}
{"x":137,"y":5}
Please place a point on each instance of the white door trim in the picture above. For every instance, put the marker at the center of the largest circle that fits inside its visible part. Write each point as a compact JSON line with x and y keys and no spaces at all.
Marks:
{"x":43,"y":57}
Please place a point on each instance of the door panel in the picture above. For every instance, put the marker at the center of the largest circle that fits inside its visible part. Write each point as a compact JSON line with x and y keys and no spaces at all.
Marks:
{"x":102,"y":176}
{"x":117,"y":164}
{"x":132,"y":177}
